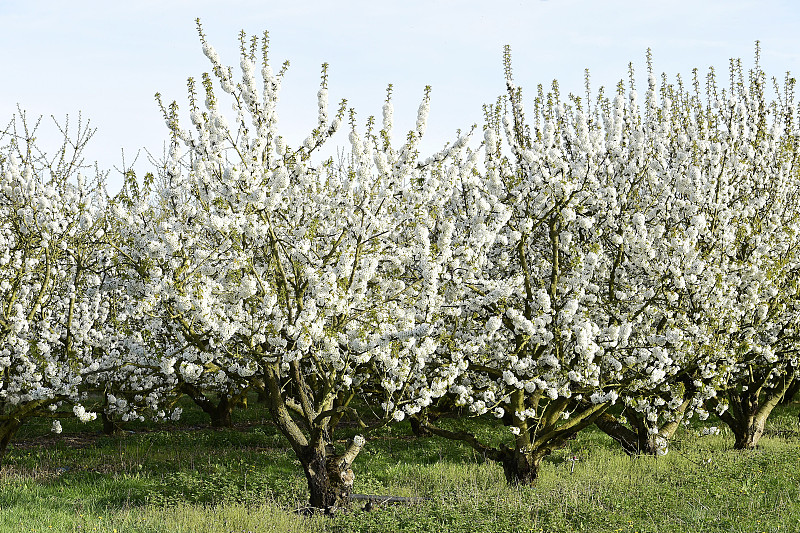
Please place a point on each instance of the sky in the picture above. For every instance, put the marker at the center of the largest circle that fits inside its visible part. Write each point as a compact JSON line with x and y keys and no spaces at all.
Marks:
{"x":106,"y":60}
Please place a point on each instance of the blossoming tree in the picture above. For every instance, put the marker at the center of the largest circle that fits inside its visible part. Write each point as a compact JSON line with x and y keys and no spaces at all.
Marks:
{"x":321,"y":280}
{"x":574,"y":304}
{"x":753,"y":227}
{"x":55,"y":288}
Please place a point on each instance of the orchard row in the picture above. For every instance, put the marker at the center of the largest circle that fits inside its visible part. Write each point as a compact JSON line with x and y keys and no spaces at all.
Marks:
{"x":585,"y":257}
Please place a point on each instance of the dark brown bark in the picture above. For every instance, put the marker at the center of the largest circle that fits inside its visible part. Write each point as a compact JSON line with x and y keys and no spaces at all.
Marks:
{"x":521,"y":468}
{"x":329,"y":477}
{"x":222,"y":415}
{"x":749,"y":410}
{"x":221,"y":412}
{"x":637,"y":439}
{"x":8,"y":428}
{"x":633,"y":441}
{"x":110,"y":425}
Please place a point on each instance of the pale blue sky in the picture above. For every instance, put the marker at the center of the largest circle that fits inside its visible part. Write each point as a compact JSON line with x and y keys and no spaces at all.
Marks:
{"x":107,"y":58}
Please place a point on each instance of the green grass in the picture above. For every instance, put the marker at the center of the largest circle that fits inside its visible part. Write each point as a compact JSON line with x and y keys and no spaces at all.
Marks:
{"x":188,"y":478}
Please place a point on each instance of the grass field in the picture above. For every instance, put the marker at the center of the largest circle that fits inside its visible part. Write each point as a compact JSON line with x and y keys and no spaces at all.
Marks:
{"x":188,"y":478}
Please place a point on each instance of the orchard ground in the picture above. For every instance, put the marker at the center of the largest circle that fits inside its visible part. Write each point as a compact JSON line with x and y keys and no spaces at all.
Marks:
{"x":187,"y":477}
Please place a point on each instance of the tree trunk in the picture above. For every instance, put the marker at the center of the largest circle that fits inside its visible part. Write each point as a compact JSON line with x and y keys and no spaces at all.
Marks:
{"x":220,"y":412}
{"x":748,"y":432}
{"x":110,"y":426}
{"x":329,"y":476}
{"x":749,"y":409}
{"x":8,"y":428}
{"x":520,"y":468}
{"x":633,"y":441}
{"x":637,"y":439}
{"x":791,"y":392}
{"x":521,"y":464}
{"x":330,"y":482}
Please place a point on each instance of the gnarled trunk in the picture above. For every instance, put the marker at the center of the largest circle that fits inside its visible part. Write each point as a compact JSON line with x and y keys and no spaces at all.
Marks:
{"x":222,"y":414}
{"x":329,"y":476}
{"x":634,"y":441}
{"x":532,"y":443}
